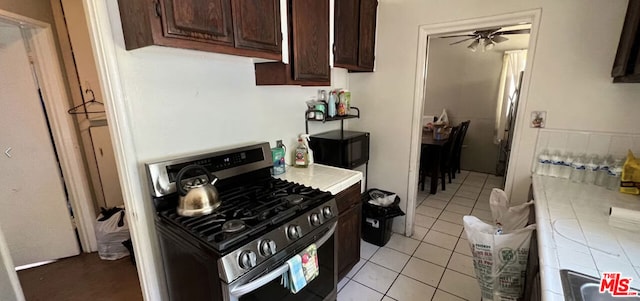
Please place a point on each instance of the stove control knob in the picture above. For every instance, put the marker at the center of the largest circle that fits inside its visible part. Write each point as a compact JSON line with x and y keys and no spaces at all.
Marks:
{"x":294,"y":232}
{"x":315,"y":219}
{"x":267,"y":247}
{"x":247,"y":259}
{"x":326,"y":211}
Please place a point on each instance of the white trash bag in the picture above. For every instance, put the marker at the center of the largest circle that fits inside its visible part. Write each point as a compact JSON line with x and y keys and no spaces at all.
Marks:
{"x":112,"y":229}
{"x":499,"y":260}
{"x":508,"y":218}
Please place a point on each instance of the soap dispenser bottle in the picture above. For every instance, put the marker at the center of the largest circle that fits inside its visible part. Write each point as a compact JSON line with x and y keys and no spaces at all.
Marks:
{"x":301,"y":154}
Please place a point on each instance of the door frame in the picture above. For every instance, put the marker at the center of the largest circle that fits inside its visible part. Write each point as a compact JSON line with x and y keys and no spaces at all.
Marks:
{"x":424,"y":33}
{"x":40,"y":39}
{"x":107,"y":40}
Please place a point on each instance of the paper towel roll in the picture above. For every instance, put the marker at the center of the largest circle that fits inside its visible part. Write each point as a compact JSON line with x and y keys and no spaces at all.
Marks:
{"x":624,"y":218}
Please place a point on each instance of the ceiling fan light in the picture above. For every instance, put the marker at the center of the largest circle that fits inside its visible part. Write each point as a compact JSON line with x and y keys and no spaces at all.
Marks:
{"x":473,"y":46}
{"x":488,"y":44}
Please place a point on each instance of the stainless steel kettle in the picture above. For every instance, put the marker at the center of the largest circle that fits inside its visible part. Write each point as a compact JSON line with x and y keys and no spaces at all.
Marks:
{"x":198,"y":197}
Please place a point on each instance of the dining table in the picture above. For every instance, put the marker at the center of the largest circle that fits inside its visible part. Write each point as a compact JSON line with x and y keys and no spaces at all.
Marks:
{"x":434,"y":148}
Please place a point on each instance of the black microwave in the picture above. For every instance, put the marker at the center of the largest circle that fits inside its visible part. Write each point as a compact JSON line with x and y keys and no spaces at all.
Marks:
{"x":346,"y":149}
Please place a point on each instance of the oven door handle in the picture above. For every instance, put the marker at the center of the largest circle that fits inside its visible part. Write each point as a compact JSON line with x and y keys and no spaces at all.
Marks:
{"x":253,"y":285}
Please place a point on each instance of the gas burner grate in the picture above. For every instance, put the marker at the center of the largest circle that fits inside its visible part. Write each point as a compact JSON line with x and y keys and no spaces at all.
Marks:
{"x":261,"y":206}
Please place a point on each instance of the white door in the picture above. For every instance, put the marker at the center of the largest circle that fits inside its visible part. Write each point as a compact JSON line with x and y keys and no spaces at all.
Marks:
{"x":34,"y":214}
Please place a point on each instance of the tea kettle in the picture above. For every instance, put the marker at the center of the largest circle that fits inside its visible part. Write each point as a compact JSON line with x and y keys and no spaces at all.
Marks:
{"x":198,"y":197}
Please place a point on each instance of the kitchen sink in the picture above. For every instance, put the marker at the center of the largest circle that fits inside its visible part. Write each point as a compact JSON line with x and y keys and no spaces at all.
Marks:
{"x":581,"y":287}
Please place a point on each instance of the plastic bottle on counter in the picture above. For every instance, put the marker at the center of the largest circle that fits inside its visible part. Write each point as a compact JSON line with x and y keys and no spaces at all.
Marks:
{"x":591,"y":170}
{"x":603,"y":171}
{"x":301,"y":154}
{"x":577,"y":171}
{"x":543,"y":164}
{"x":555,"y":166}
{"x":565,"y":171}
{"x":613,"y":182}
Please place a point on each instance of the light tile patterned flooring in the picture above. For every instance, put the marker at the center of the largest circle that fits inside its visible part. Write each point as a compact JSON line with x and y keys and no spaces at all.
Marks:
{"x":435,"y":263}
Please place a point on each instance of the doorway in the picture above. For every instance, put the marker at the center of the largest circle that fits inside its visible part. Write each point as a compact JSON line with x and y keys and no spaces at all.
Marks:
{"x":428,"y":35}
{"x":36,"y":220}
{"x":38,"y":210}
{"x":475,"y":77}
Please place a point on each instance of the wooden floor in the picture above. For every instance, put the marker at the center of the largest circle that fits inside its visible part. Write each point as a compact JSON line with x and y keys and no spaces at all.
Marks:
{"x":83,"y":277}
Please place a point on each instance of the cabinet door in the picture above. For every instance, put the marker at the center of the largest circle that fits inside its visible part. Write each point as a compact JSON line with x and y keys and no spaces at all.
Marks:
{"x":256,"y":24}
{"x":367,"y":43}
{"x":202,"y":20}
{"x":310,"y":40}
{"x":348,"y":197}
{"x":346,"y":18}
{"x":349,"y":225}
{"x":630,"y":35}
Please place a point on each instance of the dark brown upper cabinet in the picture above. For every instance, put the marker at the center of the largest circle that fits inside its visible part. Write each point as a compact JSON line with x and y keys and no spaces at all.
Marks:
{"x":308,"y":48}
{"x":355,"y":34}
{"x":238,"y":27}
{"x":626,"y":66}
{"x":199,"y":20}
{"x":257,"y":24}
{"x":346,"y":33}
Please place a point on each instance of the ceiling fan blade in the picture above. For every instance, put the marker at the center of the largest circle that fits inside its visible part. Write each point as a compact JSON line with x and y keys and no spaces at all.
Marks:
{"x":486,"y":32}
{"x":519,"y":31}
{"x":499,"y":39}
{"x":458,"y":42}
{"x":457,"y":36}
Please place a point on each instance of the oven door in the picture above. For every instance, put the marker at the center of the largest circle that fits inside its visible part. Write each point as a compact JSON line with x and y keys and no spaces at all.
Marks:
{"x":267,"y":285}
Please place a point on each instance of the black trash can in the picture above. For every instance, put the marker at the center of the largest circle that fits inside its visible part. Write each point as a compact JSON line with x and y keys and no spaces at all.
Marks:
{"x":377,"y":220}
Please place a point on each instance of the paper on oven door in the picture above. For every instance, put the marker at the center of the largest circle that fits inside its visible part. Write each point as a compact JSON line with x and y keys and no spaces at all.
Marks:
{"x":310,"y":262}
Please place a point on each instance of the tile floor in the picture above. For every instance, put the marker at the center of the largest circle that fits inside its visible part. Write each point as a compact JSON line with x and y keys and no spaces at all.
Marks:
{"x":435,"y":263}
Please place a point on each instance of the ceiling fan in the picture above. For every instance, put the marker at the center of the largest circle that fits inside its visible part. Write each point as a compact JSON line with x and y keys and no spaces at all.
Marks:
{"x":488,"y":37}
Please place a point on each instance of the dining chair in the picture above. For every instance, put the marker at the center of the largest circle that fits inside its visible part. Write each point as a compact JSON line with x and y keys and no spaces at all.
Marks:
{"x":464,"y":126}
{"x":426,"y":160}
{"x":448,"y":155}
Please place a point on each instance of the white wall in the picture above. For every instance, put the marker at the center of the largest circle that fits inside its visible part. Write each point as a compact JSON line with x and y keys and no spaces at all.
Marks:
{"x":182,"y":101}
{"x":466,"y":84}
{"x":570,"y":78}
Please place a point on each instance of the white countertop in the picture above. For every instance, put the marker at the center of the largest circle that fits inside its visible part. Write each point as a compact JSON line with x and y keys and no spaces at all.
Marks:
{"x":574,"y":233}
{"x":323,"y":177}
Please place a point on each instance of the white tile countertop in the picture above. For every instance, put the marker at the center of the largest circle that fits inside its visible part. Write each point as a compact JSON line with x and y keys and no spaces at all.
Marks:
{"x":574,"y":233}
{"x":323,"y":177}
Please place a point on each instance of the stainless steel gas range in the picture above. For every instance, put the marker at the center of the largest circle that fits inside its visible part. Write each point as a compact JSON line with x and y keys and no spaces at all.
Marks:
{"x":240,"y":251}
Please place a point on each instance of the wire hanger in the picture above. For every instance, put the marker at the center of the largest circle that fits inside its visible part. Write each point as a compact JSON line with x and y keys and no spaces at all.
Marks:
{"x":76,"y":110}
